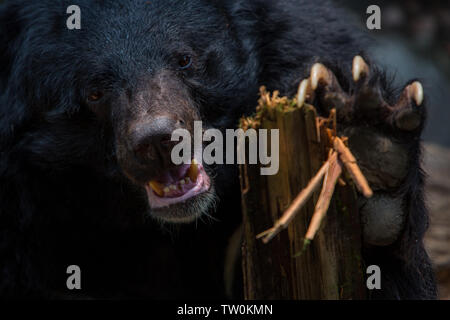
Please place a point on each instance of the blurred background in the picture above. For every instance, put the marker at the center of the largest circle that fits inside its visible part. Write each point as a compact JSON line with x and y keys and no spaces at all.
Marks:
{"x":414,"y":42}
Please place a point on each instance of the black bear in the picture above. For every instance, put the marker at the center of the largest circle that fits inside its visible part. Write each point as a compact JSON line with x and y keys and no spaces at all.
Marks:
{"x":85,"y":122}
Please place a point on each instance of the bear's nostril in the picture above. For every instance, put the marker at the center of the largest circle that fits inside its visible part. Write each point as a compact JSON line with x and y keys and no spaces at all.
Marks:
{"x":143,"y":151}
{"x":166,"y":143}
{"x":153,"y":147}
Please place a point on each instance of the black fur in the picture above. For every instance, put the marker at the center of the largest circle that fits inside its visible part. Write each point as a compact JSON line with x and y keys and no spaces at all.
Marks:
{"x":63,"y":197}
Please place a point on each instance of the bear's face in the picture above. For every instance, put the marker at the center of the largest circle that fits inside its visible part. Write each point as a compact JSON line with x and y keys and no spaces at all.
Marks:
{"x":134,"y":73}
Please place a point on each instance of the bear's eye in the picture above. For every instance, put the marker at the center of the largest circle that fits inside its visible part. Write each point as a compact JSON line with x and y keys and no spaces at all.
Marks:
{"x":94,"y":96}
{"x":184,"y":62}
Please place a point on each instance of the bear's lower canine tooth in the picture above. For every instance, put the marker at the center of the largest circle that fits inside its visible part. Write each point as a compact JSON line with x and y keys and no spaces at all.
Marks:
{"x":157,"y":188}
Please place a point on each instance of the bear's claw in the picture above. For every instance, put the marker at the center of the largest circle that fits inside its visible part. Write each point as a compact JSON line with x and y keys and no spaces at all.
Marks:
{"x":359,"y":68}
{"x":367,"y":100}
{"x":408,"y":115}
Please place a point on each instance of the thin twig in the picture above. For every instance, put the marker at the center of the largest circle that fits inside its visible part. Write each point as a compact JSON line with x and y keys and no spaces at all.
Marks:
{"x":298,"y":202}
{"x":352,"y":167}
{"x":329,"y":184}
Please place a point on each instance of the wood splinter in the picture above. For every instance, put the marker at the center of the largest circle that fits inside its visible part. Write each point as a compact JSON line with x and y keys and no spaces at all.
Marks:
{"x":298,"y":203}
{"x":329,"y":183}
{"x":352,"y":167}
{"x":330,"y":173}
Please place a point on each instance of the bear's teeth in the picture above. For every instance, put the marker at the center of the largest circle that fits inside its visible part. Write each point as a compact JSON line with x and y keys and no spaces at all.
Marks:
{"x":166,"y":190}
{"x":157,"y":188}
{"x":173,"y":187}
{"x":182,"y":182}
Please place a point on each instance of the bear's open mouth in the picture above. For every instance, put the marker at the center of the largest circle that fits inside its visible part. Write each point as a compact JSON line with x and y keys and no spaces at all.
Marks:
{"x":177,"y":185}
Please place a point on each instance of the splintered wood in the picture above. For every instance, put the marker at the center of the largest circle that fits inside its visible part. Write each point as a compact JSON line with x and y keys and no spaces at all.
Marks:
{"x":330,"y":173}
{"x":289,"y":265}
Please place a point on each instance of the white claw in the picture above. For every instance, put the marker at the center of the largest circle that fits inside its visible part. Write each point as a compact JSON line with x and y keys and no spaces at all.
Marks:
{"x":417,"y":92}
{"x":359,"y":67}
{"x":304,"y":92}
{"x":319,"y":72}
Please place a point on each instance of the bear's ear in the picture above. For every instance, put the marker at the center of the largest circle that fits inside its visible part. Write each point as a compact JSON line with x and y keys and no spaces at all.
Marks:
{"x":10,"y":29}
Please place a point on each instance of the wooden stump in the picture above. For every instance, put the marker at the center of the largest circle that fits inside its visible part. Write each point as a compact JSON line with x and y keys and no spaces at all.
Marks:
{"x":331,"y":266}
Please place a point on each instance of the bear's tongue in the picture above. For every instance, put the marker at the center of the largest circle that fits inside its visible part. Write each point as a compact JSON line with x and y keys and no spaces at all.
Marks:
{"x":175,"y":182}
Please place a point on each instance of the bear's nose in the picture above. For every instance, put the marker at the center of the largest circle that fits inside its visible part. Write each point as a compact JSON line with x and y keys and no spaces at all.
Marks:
{"x":152,"y":141}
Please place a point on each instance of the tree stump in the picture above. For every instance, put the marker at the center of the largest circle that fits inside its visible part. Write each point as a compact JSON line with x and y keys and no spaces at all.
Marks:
{"x":331,"y":267}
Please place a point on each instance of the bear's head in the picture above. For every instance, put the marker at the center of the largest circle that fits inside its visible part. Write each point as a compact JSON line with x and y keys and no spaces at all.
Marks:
{"x":107,"y":97}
